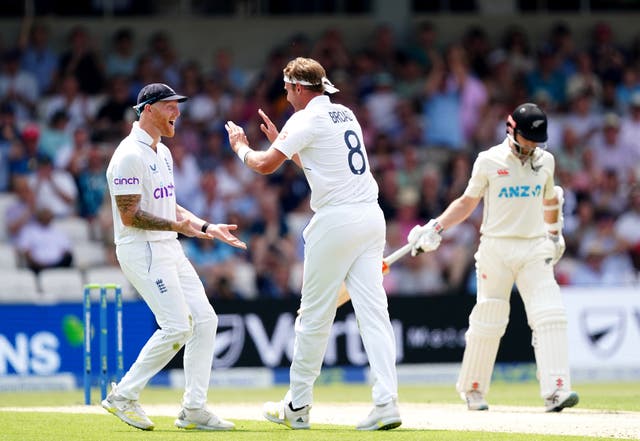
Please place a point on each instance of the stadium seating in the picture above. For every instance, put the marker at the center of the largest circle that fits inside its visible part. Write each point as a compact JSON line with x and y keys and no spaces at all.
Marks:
{"x":62,"y":284}
{"x":6,"y":199}
{"x":8,"y":256}
{"x":88,"y":254}
{"x":18,"y":285}
{"x":76,"y":228}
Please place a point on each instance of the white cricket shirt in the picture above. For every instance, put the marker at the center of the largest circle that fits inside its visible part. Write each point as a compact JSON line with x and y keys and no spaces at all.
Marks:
{"x":135,"y":168}
{"x":329,"y":141}
{"x":512,"y":191}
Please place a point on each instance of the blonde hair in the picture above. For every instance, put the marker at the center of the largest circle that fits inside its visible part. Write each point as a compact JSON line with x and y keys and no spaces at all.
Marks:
{"x":306,"y":69}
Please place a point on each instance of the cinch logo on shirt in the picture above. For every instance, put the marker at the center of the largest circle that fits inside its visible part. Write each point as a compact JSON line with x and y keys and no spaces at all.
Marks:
{"x":163,"y":192}
{"x":520,"y":191}
{"x":126,"y":181}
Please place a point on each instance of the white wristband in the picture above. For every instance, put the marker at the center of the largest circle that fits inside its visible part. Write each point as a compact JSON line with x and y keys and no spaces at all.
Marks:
{"x":243,"y":152}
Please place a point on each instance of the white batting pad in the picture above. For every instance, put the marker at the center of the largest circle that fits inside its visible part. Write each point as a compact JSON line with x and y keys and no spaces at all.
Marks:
{"x":487,"y":324}
{"x":548,"y":322}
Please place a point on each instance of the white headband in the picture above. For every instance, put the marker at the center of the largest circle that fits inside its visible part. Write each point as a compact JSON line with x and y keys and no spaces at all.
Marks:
{"x":326,"y":84}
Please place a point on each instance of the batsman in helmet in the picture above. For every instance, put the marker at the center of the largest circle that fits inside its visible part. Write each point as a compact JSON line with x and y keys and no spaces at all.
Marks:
{"x":520,"y":242}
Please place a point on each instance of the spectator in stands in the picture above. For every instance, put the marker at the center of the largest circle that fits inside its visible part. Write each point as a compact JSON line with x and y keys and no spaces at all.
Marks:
{"x":600,"y":268}
{"x":83,"y":62}
{"x":113,"y":119}
{"x":55,"y":135}
{"x":164,"y":57}
{"x":381,"y":105}
{"x":23,"y":153}
{"x":562,"y":42}
{"x":608,"y":58}
{"x":72,"y":156}
{"x":207,"y":202}
{"x":424,"y":42}
{"x":233,"y":79}
{"x":92,"y":184}
{"x":332,"y":49}
{"x":209,"y":108}
{"x":627,"y":227}
{"x":441,"y":109}
{"x":584,"y":78}
{"x":121,"y":60}
{"x":630,"y":126}
{"x":611,"y":151}
{"x":22,"y":211}
{"x":517,"y":51}
{"x":18,"y":86}
{"x":548,"y":77}
{"x":473,"y":93}
{"x":214,"y":262}
{"x":423,"y":275}
{"x":581,"y":116}
{"x":569,"y":152}
{"x":38,"y":56}
{"x":42,"y":246}
{"x":186,"y":175}
{"x":55,"y":189}
{"x":79,"y":107}
{"x":9,"y":135}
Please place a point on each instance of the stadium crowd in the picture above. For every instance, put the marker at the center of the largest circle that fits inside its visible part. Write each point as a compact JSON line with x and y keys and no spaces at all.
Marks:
{"x":427,"y":107}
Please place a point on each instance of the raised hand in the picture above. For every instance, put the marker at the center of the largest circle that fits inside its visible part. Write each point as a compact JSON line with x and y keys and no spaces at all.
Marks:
{"x":268,"y":128}
{"x":237,"y":136}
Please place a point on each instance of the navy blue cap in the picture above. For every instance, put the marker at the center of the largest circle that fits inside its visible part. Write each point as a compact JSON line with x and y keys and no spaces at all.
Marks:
{"x":154,"y":92}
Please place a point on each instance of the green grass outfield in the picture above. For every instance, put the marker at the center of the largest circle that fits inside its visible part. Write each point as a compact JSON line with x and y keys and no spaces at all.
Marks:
{"x":52,"y":426}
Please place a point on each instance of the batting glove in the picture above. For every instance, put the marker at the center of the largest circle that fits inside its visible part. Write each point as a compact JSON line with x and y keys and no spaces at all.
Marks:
{"x":424,"y":238}
{"x":559,"y":244}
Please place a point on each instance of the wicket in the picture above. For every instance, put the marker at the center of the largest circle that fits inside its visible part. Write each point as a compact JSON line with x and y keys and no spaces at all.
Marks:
{"x":103,"y":344}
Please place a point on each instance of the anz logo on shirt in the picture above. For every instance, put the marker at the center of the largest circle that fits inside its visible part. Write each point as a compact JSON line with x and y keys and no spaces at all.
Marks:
{"x":520,"y":191}
{"x":163,"y":192}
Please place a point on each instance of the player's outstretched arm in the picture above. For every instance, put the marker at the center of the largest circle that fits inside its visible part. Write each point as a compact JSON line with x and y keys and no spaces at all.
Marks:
{"x":263,"y":162}
{"x":197,"y":227}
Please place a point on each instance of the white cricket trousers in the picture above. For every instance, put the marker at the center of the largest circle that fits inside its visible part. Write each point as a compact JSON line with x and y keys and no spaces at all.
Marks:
{"x":166,"y":280}
{"x":501,"y":262}
{"x":343,"y":243}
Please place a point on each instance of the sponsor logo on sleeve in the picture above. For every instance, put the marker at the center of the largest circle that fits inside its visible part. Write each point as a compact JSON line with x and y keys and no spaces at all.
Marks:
{"x":126,"y":181}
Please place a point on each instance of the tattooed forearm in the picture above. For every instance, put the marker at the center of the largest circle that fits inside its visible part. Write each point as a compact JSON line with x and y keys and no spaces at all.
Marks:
{"x":147,"y":221}
{"x":132,"y":215}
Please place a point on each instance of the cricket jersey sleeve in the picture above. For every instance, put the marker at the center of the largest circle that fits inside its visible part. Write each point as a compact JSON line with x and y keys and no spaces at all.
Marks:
{"x":478,"y":181}
{"x":126,"y":175}
{"x":296,"y":134}
{"x":549,"y":167}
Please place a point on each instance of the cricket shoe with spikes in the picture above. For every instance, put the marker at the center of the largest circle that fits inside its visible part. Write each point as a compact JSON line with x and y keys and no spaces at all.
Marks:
{"x":475,"y":400}
{"x":383,"y":417}
{"x":283,"y":413}
{"x":127,"y":410}
{"x":201,"y":419}
{"x":561,"y":399}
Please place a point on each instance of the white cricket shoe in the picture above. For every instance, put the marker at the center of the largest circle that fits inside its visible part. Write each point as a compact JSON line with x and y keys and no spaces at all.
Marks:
{"x":201,"y":419}
{"x":127,"y":410}
{"x":281,"y":413}
{"x":383,"y":417}
{"x":560,"y":399}
{"x":475,"y":400}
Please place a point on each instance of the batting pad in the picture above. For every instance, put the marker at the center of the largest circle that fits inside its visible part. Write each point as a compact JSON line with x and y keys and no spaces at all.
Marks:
{"x":487,"y":324}
{"x":548,"y":322}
